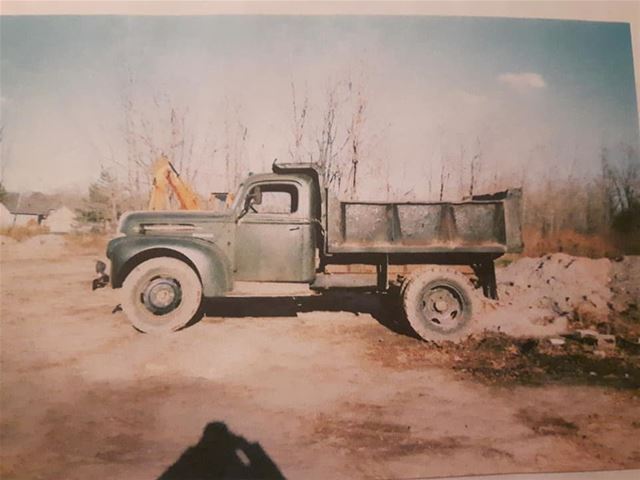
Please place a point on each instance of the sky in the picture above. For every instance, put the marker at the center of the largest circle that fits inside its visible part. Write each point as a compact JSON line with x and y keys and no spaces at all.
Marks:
{"x":535,"y":99}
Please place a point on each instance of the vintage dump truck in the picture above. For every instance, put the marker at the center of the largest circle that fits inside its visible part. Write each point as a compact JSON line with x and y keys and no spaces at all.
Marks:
{"x":285,"y":227}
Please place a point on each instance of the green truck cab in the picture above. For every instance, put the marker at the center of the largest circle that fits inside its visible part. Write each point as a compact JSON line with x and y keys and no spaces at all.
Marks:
{"x":285,"y":227}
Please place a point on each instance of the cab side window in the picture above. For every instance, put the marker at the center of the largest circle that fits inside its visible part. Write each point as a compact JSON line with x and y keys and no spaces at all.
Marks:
{"x":275,"y":198}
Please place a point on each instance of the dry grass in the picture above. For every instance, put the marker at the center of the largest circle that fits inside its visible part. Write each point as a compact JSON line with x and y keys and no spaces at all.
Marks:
{"x":20,"y":233}
{"x":88,"y":241}
{"x":84,"y":241}
{"x":571,"y":242}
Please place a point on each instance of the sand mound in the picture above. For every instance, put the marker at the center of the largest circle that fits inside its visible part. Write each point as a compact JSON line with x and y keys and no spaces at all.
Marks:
{"x":625,"y":284}
{"x":558,"y":283}
{"x":538,"y":296}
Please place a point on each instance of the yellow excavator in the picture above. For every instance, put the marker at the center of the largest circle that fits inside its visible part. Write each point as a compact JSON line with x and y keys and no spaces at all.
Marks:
{"x":166,"y":178}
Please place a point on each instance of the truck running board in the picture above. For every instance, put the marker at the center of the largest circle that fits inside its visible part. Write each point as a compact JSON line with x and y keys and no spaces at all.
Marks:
{"x":325,"y":281}
{"x":269,"y":289}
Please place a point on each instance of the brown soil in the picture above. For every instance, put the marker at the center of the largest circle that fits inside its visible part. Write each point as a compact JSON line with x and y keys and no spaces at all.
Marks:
{"x":325,"y":394}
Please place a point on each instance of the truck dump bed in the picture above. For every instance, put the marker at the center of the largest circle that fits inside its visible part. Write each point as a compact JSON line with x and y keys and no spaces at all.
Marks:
{"x":485,"y":224}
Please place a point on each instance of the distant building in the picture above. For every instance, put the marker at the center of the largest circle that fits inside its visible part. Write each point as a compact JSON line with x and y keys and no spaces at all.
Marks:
{"x":27,"y":209}
{"x":6,"y":219}
{"x":61,"y":220}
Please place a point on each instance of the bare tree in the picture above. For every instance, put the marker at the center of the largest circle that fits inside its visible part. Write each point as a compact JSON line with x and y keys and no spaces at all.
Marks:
{"x":3,"y":160}
{"x":299,"y":123}
{"x":328,"y":152}
{"x":355,"y":133}
{"x":156,"y":125}
{"x":622,"y":184}
{"x":3,"y":164}
{"x":236,"y":135}
{"x":476,"y":161}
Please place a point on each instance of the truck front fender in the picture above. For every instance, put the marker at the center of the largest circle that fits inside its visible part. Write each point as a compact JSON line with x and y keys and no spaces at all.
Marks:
{"x":206,"y":258}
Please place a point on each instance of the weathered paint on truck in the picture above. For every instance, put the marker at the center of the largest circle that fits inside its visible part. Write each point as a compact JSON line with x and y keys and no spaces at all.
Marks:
{"x":280,"y":247}
{"x":477,"y":226}
{"x":277,"y":247}
{"x":280,"y":240}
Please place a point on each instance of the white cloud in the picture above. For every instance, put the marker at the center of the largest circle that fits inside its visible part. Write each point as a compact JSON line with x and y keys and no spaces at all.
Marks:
{"x":522,"y":81}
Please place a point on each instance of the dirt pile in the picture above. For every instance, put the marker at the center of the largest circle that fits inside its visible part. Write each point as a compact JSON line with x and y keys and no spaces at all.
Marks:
{"x":556,"y":293}
{"x":558,"y":283}
{"x":625,"y":284}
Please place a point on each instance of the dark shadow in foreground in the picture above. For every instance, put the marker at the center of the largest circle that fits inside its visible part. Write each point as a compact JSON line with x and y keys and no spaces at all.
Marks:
{"x":222,"y":454}
{"x":385,"y":308}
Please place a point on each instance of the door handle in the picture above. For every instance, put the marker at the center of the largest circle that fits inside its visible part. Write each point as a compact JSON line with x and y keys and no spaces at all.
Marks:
{"x":291,"y":229}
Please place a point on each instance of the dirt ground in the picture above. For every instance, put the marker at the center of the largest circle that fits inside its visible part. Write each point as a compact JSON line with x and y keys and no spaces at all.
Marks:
{"x":289,"y":387}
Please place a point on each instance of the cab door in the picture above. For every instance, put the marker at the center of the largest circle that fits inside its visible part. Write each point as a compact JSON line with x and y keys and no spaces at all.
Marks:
{"x":274,"y":236}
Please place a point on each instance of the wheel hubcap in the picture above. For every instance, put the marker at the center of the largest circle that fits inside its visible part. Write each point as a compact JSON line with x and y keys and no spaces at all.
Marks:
{"x":162,"y":295}
{"x":442,"y":309}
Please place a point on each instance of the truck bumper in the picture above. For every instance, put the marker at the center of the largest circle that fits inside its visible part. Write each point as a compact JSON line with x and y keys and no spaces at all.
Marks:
{"x":102,"y":280}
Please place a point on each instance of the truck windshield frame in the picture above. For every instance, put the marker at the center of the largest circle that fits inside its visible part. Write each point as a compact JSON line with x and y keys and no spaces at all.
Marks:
{"x":291,"y":202}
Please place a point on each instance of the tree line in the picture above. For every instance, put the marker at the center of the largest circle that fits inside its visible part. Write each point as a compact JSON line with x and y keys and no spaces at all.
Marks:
{"x":337,"y":135}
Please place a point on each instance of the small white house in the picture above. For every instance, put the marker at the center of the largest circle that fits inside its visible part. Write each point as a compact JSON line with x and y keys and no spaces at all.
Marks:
{"x":60,"y":220}
{"x":26,"y":219}
{"x":6,"y":218}
{"x":27,"y":209}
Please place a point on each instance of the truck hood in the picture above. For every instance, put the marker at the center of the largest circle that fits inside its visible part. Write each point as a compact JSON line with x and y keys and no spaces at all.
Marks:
{"x":167,"y":222}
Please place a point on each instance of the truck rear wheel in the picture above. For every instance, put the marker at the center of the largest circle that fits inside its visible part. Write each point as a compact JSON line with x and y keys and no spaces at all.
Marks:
{"x":438,"y":304}
{"x":161,"y":295}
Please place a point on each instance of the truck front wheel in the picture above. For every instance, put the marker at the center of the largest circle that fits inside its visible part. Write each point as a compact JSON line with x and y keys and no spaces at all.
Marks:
{"x":161,"y":295}
{"x":438,"y":304}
